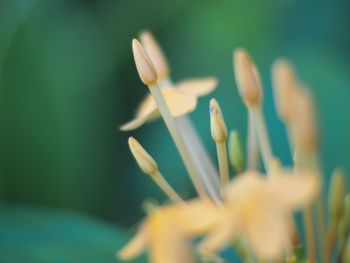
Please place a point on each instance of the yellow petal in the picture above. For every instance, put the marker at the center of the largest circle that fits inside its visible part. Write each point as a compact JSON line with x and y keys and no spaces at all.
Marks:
{"x":294,"y":190}
{"x":179,"y":103}
{"x":147,"y":106}
{"x":197,"y":87}
{"x":168,"y":244}
{"x":196,"y":217}
{"x":146,"y":111}
{"x":135,"y":246}
{"x":221,"y":236}
{"x":244,"y":186}
{"x":265,"y":231}
{"x":135,"y":123}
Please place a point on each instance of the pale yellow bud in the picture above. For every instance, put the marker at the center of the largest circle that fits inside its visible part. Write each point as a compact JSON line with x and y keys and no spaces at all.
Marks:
{"x":247,"y":78}
{"x":284,"y":84}
{"x":303,"y":122}
{"x":337,"y":194}
{"x":217,"y":123}
{"x":143,"y":159}
{"x":144,"y":65}
{"x":156,"y":54}
{"x":344,"y":224}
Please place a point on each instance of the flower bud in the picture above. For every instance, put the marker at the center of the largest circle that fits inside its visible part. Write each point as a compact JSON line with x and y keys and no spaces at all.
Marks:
{"x":247,"y":78}
{"x":217,"y":123}
{"x":144,"y":65}
{"x":336,"y":194}
{"x":143,"y":159}
{"x":284,"y":84}
{"x":156,"y":55}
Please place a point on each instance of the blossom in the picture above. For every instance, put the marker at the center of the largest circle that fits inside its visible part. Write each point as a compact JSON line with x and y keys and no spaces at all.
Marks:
{"x":181,"y":98}
{"x":258,"y":209}
{"x":166,"y":232}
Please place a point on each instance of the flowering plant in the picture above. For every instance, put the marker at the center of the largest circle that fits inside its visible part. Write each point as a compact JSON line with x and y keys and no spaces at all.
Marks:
{"x":253,"y":210}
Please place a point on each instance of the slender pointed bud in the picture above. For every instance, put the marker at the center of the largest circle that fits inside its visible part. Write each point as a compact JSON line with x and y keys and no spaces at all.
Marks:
{"x":344,"y":224}
{"x":217,"y":123}
{"x":284,"y":84}
{"x":247,"y":78}
{"x":235,"y":152}
{"x":143,"y":159}
{"x":347,"y":252}
{"x":144,"y":65}
{"x":337,"y":194}
{"x":156,"y":54}
{"x":304,"y":122}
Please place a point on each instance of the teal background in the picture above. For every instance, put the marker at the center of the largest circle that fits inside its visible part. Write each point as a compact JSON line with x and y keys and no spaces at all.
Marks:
{"x":68,"y":80}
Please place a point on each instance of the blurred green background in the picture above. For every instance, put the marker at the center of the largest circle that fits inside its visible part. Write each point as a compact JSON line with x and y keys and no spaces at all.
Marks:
{"x":68,"y":80}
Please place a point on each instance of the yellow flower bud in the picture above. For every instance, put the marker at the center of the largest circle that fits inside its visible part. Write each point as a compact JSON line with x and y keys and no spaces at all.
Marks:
{"x":143,"y":63}
{"x":336,"y":194}
{"x":143,"y":159}
{"x":217,"y":123}
{"x":155,"y":54}
{"x":247,"y":78}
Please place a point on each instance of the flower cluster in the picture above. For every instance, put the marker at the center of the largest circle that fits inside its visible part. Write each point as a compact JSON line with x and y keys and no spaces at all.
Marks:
{"x":250,"y":211}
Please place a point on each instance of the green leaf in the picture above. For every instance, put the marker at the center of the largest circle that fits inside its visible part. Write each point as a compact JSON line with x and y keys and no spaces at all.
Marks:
{"x":32,"y":234}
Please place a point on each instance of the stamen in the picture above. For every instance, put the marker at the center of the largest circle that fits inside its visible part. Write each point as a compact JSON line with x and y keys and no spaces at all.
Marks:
{"x":309,"y":233}
{"x":166,"y":188}
{"x":261,"y":132}
{"x":303,"y":123}
{"x":150,"y":167}
{"x":304,"y":130}
{"x":178,"y":140}
{"x":249,"y":86}
{"x":168,"y":119}
{"x":252,"y":145}
{"x":156,"y":54}
{"x":200,"y":158}
{"x":344,"y":230}
{"x":337,"y":191}
{"x":219,"y":135}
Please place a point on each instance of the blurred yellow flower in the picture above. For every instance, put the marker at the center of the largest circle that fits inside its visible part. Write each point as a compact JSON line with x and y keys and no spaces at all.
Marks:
{"x":180,"y":98}
{"x":257,"y":209}
{"x":166,"y":232}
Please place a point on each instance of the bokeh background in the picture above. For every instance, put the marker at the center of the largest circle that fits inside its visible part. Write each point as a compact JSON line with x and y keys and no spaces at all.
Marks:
{"x":69,"y":188}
